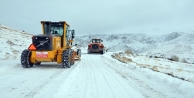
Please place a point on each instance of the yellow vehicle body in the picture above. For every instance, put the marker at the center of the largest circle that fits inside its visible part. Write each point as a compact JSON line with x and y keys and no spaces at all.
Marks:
{"x":53,"y":45}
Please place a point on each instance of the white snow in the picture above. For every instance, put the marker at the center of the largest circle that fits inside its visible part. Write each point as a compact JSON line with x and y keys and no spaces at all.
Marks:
{"x":94,"y":76}
{"x":168,"y":76}
{"x":12,"y":42}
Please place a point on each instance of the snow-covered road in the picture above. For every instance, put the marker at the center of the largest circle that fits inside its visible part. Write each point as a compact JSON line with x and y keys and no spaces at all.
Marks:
{"x":92,"y":78}
{"x":88,"y":78}
{"x":95,"y":76}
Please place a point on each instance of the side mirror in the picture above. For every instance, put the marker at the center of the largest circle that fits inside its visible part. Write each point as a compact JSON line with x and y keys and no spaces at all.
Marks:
{"x":101,"y":40}
{"x":73,"y":34}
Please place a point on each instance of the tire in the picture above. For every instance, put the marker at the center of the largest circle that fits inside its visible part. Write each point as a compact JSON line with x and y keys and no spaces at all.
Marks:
{"x":72,"y":61}
{"x":79,"y":52}
{"x":89,"y":51}
{"x":25,"y":59}
{"x":102,"y":52}
{"x":67,"y":58}
{"x":37,"y":63}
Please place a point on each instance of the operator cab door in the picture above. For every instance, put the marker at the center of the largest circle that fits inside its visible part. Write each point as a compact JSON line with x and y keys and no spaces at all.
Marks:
{"x":70,"y":34}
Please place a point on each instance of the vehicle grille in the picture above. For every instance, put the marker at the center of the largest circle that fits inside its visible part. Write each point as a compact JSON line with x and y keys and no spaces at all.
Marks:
{"x":42,"y":43}
{"x":95,"y":46}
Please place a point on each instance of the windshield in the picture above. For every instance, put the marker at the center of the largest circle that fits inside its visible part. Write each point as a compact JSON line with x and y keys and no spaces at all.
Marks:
{"x":53,"y":28}
{"x":57,"y":30}
{"x":95,"y":40}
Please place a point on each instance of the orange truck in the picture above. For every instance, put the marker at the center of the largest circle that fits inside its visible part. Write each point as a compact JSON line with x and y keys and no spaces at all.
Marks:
{"x":96,"y":46}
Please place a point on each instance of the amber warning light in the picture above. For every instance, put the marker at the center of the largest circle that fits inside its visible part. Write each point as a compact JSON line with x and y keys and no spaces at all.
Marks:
{"x":32,"y":47}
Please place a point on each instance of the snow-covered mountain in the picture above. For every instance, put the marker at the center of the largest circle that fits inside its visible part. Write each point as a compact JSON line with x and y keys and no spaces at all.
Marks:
{"x":138,"y":42}
{"x":176,"y":43}
{"x":12,"y":42}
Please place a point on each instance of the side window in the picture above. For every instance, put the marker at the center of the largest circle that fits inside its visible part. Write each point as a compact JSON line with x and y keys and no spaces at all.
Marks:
{"x":68,"y":32}
{"x":67,"y":35}
{"x":45,"y":28}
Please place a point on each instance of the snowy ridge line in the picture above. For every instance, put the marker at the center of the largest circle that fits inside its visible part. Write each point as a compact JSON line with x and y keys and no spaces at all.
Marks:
{"x":7,"y":28}
{"x":138,"y":42}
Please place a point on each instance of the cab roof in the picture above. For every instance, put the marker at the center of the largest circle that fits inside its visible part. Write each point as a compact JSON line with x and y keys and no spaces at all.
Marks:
{"x":54,"y":22}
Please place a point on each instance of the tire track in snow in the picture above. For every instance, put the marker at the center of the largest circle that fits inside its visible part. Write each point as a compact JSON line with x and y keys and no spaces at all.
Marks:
{"x":35,"y":88}
{"x":109,"y":83}
{"x":85,"y":78}
{"x":89,"y":78}
{"x":84,"y":85}
{"x":80,"y":83}
{"x":33,"y":82}
{"x":145,"y":89}
{"x":97,"y":64}
{"x":39,"y":87}
{"x":92,"y":79}
{"x":113,"y":75}
{"x":116,"y":78}
{"x":90,"y":82}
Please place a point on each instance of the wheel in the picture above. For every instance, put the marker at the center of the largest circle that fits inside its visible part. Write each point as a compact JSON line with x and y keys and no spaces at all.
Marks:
{"x":79,"y":52}
{"x":25,"y":59}
{"x":89,"y":51}
{"x":102,"y":52}
{"x":67,"y":58}
{"x":72,"y":61}
{"x":37,"y":63}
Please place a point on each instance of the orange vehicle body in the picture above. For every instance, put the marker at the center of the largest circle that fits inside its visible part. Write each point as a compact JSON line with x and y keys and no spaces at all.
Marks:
{"x":96,"y":46}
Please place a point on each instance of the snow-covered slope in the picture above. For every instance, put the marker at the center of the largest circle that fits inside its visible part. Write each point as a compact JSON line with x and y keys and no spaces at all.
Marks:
{"x":134,"y":41}
{"x":176,"y":43}
{"x":138,"y":42}
{"x":179,"y":44}
{"x":12,"y":42}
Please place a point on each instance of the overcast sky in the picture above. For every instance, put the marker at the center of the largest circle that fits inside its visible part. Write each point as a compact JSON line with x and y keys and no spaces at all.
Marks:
{"x":101,"y":16}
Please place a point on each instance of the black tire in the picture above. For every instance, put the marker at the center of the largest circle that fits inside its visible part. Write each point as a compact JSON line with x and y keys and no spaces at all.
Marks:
{"x":72,"y":61}
{"x":67,"y":58}
{"x":37,"y":63}
{"x":89,"y":51}
{"x":25,"y":59}
{"x":79,"y":52}
{"x":102,"y":52}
